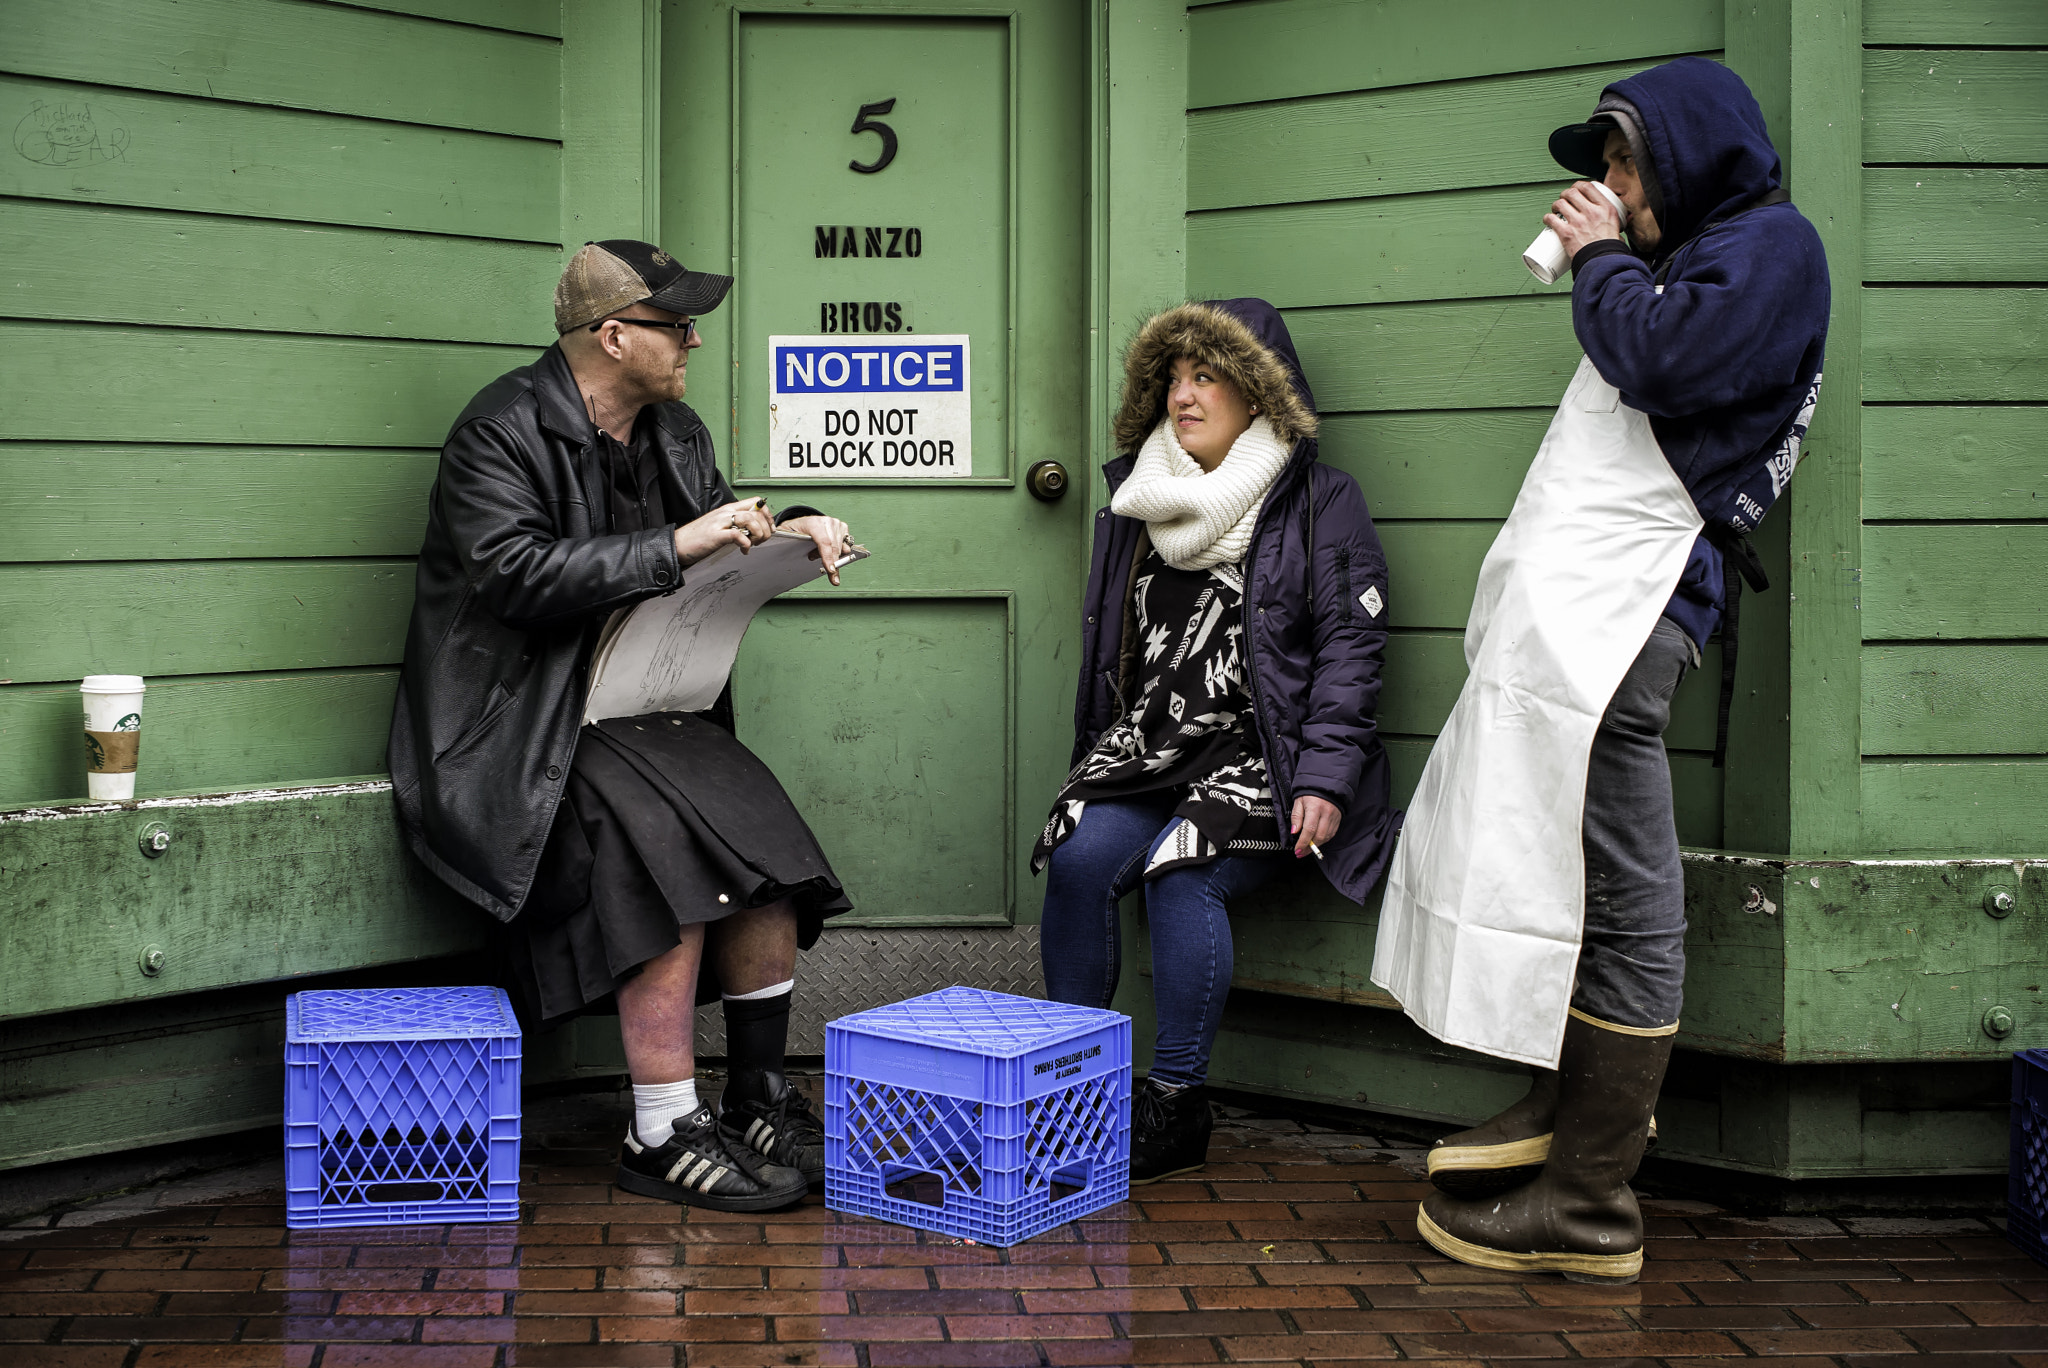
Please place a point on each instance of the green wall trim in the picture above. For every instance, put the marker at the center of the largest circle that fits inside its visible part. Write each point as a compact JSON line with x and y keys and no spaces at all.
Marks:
{"x":1793,"y":962}
{"x":254,"y":886}
{"x":1141,"y":240}
{"x":611,"y":112}
{"x":1825,"y":500}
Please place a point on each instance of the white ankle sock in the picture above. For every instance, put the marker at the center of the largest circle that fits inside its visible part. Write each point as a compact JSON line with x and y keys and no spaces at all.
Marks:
{"x":656,"y":1107}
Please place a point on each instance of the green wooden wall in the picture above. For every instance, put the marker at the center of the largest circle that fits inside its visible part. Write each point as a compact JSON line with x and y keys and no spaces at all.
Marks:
{"x":259,"y":252}
{"x":1954,"y":427}
{"x":1377,"y":178}
{"x":257,"y":255}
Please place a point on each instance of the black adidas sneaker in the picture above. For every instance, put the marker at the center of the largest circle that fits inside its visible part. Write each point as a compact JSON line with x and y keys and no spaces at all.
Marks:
{"x":705,"y":1165}
{"x":782,"y":1130}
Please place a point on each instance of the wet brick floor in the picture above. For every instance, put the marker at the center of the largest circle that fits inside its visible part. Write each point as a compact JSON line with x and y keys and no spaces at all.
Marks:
{"x":1296,"y":1246}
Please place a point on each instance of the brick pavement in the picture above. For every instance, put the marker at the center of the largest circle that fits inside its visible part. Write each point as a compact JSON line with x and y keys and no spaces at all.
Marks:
{"x":1296,"y":1246}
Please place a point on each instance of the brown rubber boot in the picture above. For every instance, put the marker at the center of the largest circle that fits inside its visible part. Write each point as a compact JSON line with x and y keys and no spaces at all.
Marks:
{"x":1506,"y":1151}
{"x":1578,"y":1216}
{"x":1503,"y":1153}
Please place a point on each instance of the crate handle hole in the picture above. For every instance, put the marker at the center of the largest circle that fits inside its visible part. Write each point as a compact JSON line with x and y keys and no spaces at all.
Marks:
{"x":403,"y":1192}
{"x":1074,"y":1178}
{"x":914,"y":1185}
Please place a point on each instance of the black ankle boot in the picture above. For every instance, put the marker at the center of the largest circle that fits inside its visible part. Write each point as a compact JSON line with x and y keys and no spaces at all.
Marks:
{"x":1169,"y":1132}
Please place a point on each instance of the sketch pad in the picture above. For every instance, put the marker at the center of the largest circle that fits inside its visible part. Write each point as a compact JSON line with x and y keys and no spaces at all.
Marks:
{"x":673,"y":654}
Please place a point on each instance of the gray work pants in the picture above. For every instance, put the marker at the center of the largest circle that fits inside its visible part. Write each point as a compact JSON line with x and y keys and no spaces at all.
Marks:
{"x":1632,"y":959}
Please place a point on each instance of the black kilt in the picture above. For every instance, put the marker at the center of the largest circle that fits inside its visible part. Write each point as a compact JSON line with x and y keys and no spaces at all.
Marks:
{"x":667,"y":821}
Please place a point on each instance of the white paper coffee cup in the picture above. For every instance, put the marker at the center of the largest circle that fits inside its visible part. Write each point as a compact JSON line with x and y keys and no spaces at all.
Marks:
{"x":1546,"y":257}
{"x":113,"y":733}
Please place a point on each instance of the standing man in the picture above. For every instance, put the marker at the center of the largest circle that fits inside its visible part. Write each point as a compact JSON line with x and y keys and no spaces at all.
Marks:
{"x":651,"y":861}
{"x":1536,"y":906}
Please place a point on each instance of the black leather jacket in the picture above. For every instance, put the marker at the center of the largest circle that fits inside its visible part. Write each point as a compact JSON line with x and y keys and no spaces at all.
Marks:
{"x":515,"y":578}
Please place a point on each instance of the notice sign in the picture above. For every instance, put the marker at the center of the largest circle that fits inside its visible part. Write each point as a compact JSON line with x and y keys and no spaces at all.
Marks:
{"x":881,"y":407}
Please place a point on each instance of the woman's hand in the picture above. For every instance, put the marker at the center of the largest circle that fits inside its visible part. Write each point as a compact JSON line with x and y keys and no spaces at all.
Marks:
{"x":745,"y":524}
{"x":832,"y":538}
{"x":1315,"y":822}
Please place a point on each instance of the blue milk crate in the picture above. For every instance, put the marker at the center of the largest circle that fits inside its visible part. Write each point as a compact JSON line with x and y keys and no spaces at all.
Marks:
{"x":2026,"y":1183}
{"x":978,"y":1114}
{"x":401,"y":1107}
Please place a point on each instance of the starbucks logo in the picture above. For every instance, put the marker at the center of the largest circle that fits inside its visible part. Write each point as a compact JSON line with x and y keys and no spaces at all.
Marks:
{"x":95,"y":753}
{"x":132,"y":722}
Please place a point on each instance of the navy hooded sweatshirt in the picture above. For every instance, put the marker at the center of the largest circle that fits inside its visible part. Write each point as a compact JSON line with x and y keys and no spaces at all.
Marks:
{"x":1726,"y":361}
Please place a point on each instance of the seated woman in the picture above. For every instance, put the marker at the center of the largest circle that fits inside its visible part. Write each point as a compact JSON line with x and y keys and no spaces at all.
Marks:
{"x":1231,"y":636}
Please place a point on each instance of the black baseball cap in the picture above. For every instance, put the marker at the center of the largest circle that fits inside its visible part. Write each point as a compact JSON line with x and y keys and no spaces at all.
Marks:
{"x":605,"y":277}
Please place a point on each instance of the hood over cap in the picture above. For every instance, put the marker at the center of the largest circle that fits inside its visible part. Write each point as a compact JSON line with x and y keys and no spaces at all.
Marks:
{"x":1244,"y":339}
{"x":1709,"y":151}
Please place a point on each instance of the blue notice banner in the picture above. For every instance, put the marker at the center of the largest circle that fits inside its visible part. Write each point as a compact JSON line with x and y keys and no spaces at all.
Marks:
{"x":867,"y":367}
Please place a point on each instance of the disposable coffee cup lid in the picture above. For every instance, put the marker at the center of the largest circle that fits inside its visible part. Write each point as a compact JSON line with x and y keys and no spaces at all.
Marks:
{"x":112,"y":684}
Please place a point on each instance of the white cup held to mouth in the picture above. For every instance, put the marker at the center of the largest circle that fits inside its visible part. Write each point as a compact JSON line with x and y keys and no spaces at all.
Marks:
{"x":1546,"y":258}
{"x":113,"y":733}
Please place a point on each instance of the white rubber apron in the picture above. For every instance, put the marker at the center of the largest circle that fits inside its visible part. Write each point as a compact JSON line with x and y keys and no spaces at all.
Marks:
{"x":1485,"y":904}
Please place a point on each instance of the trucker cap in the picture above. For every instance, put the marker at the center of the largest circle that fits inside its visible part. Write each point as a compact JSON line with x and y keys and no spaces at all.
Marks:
{"x":605,"y":277}
{"x":1582,"y":147}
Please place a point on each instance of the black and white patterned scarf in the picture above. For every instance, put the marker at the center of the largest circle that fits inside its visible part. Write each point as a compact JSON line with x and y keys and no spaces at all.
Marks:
{"x":1190,"y":728}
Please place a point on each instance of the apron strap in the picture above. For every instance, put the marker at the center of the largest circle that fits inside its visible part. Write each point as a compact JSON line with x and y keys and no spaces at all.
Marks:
{"x":1731,"y":618}
{"x":1739,"y":562}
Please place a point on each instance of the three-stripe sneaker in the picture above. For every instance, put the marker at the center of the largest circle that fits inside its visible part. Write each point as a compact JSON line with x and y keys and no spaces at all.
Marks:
{"x":704,"y":1165}
{"x":782,"y":1129}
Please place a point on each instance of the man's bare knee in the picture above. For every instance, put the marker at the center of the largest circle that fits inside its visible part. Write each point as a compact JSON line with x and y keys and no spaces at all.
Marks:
{"x":756,"y":948}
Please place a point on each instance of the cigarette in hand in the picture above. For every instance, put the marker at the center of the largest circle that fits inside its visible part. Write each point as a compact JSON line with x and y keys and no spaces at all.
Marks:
{"x":1315,"y":850}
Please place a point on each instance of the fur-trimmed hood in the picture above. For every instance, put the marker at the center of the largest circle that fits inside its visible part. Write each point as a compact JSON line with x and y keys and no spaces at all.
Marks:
{"x":1244,"y":339}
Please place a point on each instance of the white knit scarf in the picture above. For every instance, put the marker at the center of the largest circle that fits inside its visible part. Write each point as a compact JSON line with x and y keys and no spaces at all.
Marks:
{"x":1198,"y":519}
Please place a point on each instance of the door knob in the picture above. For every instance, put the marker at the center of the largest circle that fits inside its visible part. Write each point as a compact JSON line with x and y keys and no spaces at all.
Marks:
{"x":1047,"y":480}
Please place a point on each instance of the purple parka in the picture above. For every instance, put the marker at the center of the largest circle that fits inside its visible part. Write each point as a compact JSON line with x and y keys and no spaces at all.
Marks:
{"x":1314,"y":676}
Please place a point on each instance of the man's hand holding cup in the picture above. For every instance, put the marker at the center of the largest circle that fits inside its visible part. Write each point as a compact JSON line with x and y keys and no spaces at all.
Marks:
{"x":1586,"y":212}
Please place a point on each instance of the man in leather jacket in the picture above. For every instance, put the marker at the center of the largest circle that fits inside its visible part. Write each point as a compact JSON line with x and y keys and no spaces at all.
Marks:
{"x":570,"y":488}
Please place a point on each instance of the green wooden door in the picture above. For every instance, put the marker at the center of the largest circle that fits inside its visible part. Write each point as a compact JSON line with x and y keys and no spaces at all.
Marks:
{"x":923,"y":284}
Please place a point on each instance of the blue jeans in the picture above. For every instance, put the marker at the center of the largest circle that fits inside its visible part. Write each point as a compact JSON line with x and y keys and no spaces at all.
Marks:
{"x":1081,"y":941}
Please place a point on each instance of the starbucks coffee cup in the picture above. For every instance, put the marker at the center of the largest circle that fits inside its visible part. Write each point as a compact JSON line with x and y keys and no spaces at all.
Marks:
{"x":1546,"y":257}
{"x":113,"y":733}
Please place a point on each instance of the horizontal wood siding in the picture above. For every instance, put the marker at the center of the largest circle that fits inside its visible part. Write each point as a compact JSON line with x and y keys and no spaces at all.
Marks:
{"x":1287,"y":49}
{"x":235,"y":330}
{"x":1955,"y":458}
{"x":1378,"y":182}
{"x":299,"y":54}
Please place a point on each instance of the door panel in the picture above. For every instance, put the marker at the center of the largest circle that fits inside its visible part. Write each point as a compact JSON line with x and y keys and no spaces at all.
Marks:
{"x":896,"y":764}
{"x":920,"y":715}
{"x":920,"y":246}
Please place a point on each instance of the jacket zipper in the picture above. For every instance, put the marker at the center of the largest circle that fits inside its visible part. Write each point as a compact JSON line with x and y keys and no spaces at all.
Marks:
{"x":1248,"y":610}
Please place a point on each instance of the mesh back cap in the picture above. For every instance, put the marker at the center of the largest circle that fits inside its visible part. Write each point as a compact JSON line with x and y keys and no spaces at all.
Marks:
{"x":605,"y":277}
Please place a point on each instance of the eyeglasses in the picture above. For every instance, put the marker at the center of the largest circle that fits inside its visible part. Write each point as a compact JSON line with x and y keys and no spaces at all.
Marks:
{"x":685,"y":327}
